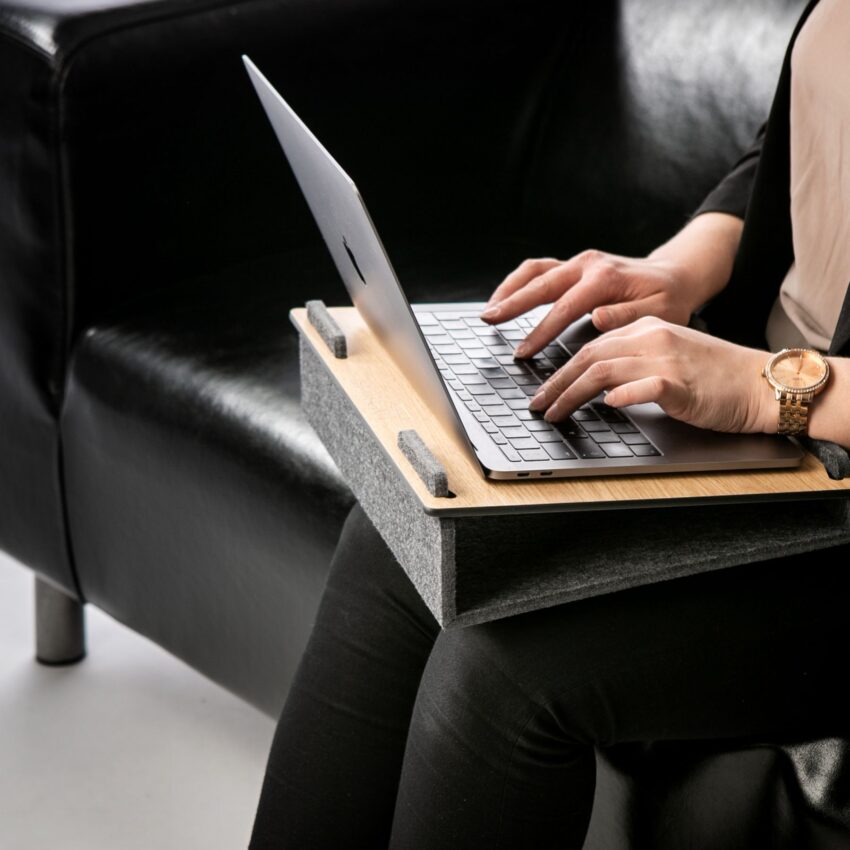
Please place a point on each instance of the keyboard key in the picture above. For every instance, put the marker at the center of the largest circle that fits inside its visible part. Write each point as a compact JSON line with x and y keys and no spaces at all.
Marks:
{"x":444,"y":349}
{"x":594,"y":426}
{"x":533,"y":454}
{"x":499,"y":440}
{"x":471,"y":380}
{"x":550,"y":436}
{"x":554,"y":351}
{"x":487,"y":334}
{"x":525,"y":414}
{"x":510,"y":325}
{"x":500,"y":349}
{"x":605,"y":437}
{"x":486,"y":400}
{"x":481,"y":416}
{"x":502,"y":384}
{"x":515,"y":431}
{"x":526,"y":379}
{"x":606,"y":413}
{"x":524,"y":443}
{"x":515,"y":369}
{"x":585,"y":448}
{"x":505,"y":421}
{"x":570,"y":428}
{"x":617,"y":450}
{"x":462,"y":394}
{"x":585,"y":413}
{"x":510,"y":453}
{"x":455,"y":359}
{"x":472,"y":342}
{"x":499,"y":410}
{"x":623,"y":428}
{"x":490,"y":428}
{"x":491,"y":372}
{"x":539,"y":425}
{"x":506,"y":359}
{"x":426,"y":319}
{"x":464,"y":369}
{"x":472,"y":407}
{"x":478,"y":352}
{"x":633,"y":439}
{"x":485,"y":363}
{"x":512,"y":334}
{"x":520,"y":403}
{"x":645,"y":451}
{"x":435,"y":335}
{"x":466,"y":336}
{"x":558,"y":451}
{"x":481,"y":387}
{"x":511,"y":393}
{"x":530,"y":389}
{"x":453,"y":325}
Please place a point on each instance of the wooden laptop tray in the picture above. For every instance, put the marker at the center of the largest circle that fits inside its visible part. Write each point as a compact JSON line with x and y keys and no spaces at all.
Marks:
{"x":468,"y":552}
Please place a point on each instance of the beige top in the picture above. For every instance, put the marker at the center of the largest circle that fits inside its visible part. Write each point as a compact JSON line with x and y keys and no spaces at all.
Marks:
{"x":812,"y":293}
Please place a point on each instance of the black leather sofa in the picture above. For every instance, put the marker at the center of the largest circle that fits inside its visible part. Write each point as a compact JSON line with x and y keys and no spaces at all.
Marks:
{"x":154,"y":460}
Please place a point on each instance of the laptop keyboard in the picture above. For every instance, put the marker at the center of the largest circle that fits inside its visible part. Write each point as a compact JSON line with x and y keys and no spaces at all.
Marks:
{"x":476,"y":361}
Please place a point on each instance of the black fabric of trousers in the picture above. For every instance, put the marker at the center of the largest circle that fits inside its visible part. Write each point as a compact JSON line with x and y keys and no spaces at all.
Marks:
{"x":398,"y":734}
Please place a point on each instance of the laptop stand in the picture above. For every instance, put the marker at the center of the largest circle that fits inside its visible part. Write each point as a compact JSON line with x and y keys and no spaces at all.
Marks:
{"x":478,"y":549}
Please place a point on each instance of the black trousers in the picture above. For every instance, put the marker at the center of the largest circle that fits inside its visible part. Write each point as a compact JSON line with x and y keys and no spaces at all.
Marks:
{"x":398,"y":734}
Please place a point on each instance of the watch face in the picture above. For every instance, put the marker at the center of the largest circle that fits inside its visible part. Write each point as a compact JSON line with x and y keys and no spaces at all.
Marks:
{"x":798,"y":369}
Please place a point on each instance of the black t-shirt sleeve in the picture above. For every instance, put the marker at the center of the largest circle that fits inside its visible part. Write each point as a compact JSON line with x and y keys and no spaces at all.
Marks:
{"x":732,"y":194}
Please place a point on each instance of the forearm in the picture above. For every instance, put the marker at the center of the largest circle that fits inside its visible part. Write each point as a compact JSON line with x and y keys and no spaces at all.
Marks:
{"x":704,"y":251}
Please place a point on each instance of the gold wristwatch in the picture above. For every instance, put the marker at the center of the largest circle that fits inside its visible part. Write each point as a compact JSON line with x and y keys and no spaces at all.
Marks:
{"x":797,"y":375}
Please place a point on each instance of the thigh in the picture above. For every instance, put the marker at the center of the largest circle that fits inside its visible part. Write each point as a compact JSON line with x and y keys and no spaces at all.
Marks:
{"x":508,"y":712}
{"x":333,"y":769}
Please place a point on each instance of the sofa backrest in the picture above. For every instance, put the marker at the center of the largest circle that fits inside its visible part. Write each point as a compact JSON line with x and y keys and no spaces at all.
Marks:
{"x":134,"y":155}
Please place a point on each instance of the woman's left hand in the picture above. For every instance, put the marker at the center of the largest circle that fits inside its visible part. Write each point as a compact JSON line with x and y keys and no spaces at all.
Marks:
{"x":692,"y":376}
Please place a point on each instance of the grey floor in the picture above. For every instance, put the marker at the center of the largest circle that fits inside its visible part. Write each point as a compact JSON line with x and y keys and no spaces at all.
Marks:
{"x":130,"y":749}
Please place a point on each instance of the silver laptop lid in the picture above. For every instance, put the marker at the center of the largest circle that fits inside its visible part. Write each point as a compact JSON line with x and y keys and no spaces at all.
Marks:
{"x":358,"y":252}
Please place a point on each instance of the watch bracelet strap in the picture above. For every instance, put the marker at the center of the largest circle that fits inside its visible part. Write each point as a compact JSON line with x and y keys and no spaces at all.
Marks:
{"x":793,"y":414}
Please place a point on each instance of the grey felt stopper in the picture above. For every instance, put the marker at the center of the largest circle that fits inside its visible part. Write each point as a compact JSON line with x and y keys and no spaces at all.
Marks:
{"x":835,"y":458}
{"x":327,"y":327}
{"x":427,"y":467}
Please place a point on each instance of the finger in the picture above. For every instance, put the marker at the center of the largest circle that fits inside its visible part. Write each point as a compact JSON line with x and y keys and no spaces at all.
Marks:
{"x":604,"y":348}
{"x":670,"y":395}
{"x":593,"y":289}
{"x":543,"y":289}
{"x":520,"y":276}
{"x":602,"y":375}
{"x":612,"y":316}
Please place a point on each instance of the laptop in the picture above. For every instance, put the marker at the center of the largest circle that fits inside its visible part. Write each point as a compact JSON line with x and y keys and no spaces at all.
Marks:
{"x":464,"y":370}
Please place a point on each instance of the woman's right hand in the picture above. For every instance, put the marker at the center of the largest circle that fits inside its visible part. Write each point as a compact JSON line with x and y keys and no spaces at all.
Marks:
{"x":670,"y":284}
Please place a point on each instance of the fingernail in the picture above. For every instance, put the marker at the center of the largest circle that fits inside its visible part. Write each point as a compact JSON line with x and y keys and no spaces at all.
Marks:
{"x":601,"y":318}
{"x":490,"y":313}
{"x":521,"y":350}
{"x":551,"y":415}
{"x":537,"y":403}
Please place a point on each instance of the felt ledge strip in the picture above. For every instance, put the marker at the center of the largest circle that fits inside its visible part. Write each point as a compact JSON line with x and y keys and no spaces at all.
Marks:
{"x":835,"y":458}
{"x":427,"y":467}
{"x":327,"y":327}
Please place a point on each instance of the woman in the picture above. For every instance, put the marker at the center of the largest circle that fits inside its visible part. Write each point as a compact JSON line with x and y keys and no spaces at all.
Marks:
{"x":396,"y":734}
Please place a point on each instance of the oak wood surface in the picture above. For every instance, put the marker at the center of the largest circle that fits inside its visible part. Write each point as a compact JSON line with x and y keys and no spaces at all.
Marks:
{"x":388,"y":403}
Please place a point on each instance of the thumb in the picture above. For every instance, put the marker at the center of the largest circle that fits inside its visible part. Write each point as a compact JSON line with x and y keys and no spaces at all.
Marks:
{"x":611,"y":316}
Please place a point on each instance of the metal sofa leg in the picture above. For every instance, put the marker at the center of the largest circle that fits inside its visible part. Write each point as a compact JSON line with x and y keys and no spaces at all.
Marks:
{"x":60,"y":632}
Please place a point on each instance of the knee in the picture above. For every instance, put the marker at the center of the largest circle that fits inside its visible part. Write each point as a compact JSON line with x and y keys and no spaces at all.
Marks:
{"x":507,"y":681}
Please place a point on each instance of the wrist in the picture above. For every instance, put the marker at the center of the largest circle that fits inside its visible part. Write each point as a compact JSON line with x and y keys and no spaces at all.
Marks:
{"x":765,"y":404}
{"x":703,"y":253}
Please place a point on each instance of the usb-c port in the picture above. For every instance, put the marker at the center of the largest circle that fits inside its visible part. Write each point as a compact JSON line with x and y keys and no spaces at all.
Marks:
{"x":542,"y":474}
{"x":523,"y":474}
